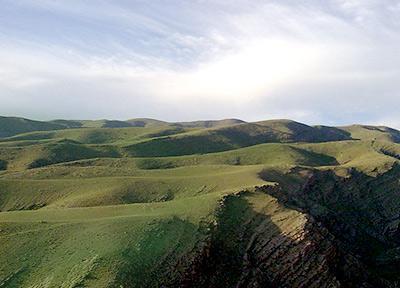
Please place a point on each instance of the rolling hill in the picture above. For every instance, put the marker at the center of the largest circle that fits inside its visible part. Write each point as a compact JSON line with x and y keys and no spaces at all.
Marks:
{"x":235,"y":136}
{"x":218,"y":203}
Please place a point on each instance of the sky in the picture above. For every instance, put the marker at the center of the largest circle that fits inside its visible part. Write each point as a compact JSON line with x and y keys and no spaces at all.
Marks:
{"x":332,"y":62}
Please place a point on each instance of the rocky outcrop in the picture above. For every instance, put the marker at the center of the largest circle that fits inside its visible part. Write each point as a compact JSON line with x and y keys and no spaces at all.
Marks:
{"x":360,"y":211}
{"x":269,"y":245}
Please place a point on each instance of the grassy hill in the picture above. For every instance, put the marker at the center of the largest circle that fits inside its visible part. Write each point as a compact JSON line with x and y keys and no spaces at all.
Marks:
{"x":224,"y":203}
{"x":235,"y":136}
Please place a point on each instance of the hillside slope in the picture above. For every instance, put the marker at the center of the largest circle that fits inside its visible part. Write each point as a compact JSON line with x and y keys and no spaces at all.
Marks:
{"x":367,"y":132}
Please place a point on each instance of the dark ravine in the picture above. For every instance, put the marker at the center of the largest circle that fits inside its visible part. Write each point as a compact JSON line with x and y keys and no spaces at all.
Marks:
{"x":252,"y":251}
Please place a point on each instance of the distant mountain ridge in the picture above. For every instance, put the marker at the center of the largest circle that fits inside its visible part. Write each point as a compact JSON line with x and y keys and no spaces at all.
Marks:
{"x":226,"y":133}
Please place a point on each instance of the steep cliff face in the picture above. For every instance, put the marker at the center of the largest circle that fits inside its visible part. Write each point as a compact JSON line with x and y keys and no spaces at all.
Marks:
{"x":360,"y":211}
{"x":269,"y":245}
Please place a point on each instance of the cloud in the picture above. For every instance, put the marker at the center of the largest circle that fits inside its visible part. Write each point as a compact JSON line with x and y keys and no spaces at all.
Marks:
{"x":332,"y":63}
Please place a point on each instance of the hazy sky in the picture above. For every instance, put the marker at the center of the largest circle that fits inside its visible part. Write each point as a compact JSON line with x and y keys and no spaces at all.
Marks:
{"x":331,"y":62}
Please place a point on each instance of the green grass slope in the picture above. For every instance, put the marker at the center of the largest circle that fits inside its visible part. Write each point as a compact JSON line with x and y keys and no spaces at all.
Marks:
{"x":114,"y":246}
{"x":25,"y":193}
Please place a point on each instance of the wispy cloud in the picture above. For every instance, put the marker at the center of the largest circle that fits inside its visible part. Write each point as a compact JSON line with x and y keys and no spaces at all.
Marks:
{"x":332,"y":63}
